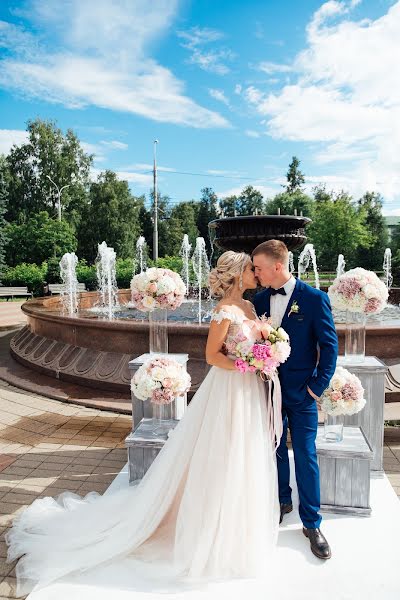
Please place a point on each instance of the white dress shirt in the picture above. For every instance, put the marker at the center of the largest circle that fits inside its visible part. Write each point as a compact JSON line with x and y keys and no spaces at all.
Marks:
{"x":279,"y":302}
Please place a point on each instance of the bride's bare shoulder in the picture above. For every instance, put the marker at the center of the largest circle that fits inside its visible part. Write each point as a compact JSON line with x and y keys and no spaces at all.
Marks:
{"x":226,"y":310}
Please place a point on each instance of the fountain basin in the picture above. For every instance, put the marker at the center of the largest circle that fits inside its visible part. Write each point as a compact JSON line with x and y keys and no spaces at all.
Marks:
{"x":95,"y":352}
{"x":244,"y":233}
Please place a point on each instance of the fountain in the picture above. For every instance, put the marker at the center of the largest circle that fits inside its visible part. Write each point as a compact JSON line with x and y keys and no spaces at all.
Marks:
{"x":291,"y":263}
{"x":185,"y":254}
{"x":90,"y":349}
{"x":387,"y":268}
{"x":141,"y":255}
{"x":307,"y":254}
{"x":243,"y":234}
{"x":69,"y":296}
{"x":341,"y":264}
{"x":201,"y":270}
{"x":107,"y":281}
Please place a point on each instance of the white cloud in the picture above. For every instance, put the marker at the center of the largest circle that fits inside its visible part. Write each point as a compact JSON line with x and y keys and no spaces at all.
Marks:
{"x":114,"y":144}
{"x":218,"y":95}
{"x":213,"y":61}
{"x":252,"y":134}
{"x":9,"y":137}
{"x":198,"y":36}
{"x":270,"y":68}
{"x":113,"y":70}
{"x":345,"y":96}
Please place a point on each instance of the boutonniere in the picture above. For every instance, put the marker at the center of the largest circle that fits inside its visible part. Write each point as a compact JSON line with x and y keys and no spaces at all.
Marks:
{"x":294,"y":308}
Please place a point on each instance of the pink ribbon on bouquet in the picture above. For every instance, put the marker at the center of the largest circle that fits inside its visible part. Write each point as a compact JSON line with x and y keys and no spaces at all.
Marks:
{"x":274,"y":411}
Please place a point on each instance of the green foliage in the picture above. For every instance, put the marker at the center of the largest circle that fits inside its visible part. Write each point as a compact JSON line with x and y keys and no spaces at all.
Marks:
{"x":372,"y":257}
{"x":31,"y":275}
{"x":288,"y":202}
{"x":124,"y":269}
{"x":338,"y":227}
{"x":86,"y":274}
{"x":38,"y":239}
{"x":207,"y":212}
{"x":251,"y":201}
{"x":47,"y":153}
{"x":294,"y":176}
{"x":112,"y":215}
{"x":229,"y":206}
{"x":168,"y":262}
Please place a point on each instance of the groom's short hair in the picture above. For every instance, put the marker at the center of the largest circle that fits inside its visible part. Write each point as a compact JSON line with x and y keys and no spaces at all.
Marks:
{"x":273,"y":248}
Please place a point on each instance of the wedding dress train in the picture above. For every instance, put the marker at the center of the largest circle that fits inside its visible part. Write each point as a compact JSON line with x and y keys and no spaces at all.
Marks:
{"x":207,"y":507}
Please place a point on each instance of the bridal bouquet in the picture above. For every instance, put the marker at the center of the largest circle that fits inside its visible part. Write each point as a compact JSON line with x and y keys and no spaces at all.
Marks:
{"x":263,"y":356}
{"x":161,"y":380}
{"x":157,"y":288}
{"x":358,"y":290}
{"x":345,"y":394}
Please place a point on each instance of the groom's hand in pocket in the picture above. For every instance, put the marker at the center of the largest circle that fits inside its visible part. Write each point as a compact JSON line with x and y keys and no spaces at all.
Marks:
{"x":317,"y":400}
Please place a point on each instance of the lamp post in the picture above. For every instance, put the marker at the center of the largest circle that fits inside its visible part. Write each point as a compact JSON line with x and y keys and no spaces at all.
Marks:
{"x":155,"y":228}
{"x":59,"y":191}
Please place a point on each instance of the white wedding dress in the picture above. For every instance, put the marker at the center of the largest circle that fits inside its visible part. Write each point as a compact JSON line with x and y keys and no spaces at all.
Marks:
{"x":206,"y":509}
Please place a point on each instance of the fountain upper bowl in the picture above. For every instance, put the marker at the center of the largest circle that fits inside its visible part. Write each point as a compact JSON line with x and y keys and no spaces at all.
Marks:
{"x":244,"y":233}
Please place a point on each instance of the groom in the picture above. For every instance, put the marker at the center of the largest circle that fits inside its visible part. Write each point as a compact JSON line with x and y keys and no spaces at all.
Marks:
{"x":305,"y":314}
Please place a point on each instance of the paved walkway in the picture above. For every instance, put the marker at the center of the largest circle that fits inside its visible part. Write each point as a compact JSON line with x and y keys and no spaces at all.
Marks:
{"x":11,"y":314}
{"x":47,"y":447}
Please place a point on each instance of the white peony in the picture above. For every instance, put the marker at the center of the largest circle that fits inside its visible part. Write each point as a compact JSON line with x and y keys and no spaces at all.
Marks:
{"x":149,"y":302}
{"x":166,"y":285}
{"x":282,"y":334}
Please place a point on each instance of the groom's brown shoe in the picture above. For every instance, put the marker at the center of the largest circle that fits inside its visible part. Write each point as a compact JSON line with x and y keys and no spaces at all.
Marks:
{"x":285,"y":509}
{"x":319,"y":546}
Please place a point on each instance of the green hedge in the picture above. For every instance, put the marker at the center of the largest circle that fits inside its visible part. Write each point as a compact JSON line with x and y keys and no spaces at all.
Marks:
{"x":31,"y":275}
{"x":34,"y":276}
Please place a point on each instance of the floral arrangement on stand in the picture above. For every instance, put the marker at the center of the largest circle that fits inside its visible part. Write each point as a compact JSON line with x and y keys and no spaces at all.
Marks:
{"x":157,"y":288}
{"x":160,"y":380}
{"x":345,"y":394}
{"x":359,"y":291}
{"x":263,"y":356}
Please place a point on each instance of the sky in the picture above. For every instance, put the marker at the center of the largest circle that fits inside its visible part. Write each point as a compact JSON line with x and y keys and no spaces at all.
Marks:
{"x":230,"y":89}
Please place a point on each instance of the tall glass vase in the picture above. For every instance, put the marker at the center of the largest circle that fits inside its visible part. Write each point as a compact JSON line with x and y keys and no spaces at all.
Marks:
{"x":158,"y":331}
{"x":354,"y":349}
{"x":162,"y":415}
{"x":333,"y":428}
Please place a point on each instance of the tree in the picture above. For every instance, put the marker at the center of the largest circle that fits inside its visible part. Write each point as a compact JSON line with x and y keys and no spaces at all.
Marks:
{"x":251,"y":201}
{"x":229,"y":206}
{"x":38,"y":239}
{"x":112,"y":215}
{"x":372,"y":258}
{"x":294,"y":176}
{"x":287,"y":203}
{"x":208,"y":211}
{"x":338,"y":227}
{"x":47,"y":152}
{"x":3,"y":208}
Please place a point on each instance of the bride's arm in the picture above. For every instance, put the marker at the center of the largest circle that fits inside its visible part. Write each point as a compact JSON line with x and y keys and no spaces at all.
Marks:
{"x":216,"y":337}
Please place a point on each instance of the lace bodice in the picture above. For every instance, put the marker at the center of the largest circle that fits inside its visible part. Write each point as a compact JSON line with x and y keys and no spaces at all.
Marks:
{"x":239,"y":324}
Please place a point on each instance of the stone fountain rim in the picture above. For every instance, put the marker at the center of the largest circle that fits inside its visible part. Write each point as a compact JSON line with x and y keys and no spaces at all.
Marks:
{"x":29,"y":306}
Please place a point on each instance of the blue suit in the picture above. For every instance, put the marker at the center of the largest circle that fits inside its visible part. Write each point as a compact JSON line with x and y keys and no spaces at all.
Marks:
{"x":312,"y":362}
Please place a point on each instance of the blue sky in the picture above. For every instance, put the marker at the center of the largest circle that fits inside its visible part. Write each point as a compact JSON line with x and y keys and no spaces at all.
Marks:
{"x":230,"y":89}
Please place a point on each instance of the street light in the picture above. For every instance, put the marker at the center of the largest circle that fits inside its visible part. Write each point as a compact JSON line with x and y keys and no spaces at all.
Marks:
{"x":155,"y":228}
{"x":59,"y":191}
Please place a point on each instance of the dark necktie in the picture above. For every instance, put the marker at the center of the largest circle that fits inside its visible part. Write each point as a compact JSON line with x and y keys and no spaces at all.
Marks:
{"x":280,"y":291}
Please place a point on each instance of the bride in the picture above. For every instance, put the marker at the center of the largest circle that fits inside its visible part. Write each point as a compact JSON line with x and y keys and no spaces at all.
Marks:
{"x":208,"y":506}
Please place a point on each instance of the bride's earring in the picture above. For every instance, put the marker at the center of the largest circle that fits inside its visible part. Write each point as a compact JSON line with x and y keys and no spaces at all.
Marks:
{"x":241,"y":282}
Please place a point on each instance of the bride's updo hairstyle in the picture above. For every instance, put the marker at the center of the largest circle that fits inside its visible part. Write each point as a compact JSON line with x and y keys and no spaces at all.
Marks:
{"x":229,"y":265}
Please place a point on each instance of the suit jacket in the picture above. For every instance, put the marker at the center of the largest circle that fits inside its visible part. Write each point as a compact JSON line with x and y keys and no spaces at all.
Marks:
{"x":313,"y":341}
